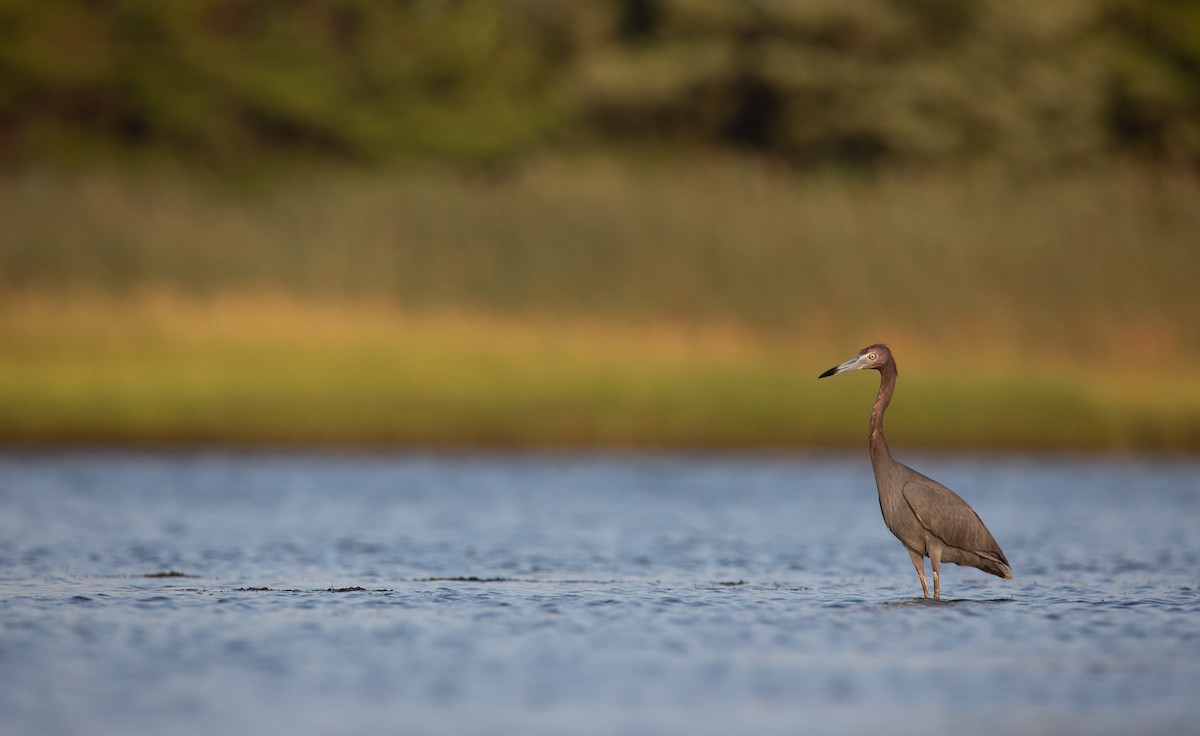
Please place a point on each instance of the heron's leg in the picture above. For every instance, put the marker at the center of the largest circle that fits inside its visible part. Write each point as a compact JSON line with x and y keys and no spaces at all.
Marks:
{"x":934,"y":548}
{"x":919,"y":563}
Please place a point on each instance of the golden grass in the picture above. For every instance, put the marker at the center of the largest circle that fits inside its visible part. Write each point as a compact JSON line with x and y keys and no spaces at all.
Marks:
{"x":272,"y":369}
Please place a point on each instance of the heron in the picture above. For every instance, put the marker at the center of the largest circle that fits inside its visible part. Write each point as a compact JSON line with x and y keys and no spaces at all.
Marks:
{"x":928,"y":518}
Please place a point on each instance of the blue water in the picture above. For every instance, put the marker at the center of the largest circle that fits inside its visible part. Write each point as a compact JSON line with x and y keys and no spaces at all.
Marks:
{"x":632,"y":594}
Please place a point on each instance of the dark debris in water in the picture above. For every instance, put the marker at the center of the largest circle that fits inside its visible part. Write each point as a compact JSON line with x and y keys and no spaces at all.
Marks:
{"x":331,"y":589}
{"x":468,"y":579}
{"x":730,"y":584}
{"x":477,"y":579}
{"x":721,"y":584}
{"x":169,"y":574}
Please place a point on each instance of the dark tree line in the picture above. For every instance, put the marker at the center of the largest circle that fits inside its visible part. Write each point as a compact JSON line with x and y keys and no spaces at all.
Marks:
{"x":814,"y":82}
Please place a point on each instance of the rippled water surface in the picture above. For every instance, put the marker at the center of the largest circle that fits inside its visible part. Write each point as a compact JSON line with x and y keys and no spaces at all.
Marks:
{"x":585,"y":594}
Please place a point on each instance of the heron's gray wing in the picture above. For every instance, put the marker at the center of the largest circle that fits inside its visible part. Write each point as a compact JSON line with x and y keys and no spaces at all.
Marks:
{"x":942,"y":513}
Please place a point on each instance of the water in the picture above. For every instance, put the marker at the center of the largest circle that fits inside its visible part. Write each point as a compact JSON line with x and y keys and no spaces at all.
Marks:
{"x":631,"y":594}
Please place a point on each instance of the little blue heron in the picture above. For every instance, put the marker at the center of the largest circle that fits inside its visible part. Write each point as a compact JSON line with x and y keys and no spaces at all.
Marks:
{"x":928,"y":518}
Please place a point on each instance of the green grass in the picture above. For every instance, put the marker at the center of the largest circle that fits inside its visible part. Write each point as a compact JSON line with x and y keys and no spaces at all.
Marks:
{"x":272,"y":371}
{"x":590,"y":302}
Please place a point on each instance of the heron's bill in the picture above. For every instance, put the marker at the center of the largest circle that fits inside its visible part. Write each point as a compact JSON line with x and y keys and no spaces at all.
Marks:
{"x":858,"y":362}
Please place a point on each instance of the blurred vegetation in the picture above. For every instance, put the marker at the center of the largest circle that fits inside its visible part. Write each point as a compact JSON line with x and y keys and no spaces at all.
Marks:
{"x":1089,"y":263}
{"x":877,"y":82}
{"x":265,"y":369}
{"x":600,"y":301}
{"x":599,"y":221}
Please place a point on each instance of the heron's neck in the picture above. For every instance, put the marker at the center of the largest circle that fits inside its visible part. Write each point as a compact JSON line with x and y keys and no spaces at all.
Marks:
{"x":887,"y":386}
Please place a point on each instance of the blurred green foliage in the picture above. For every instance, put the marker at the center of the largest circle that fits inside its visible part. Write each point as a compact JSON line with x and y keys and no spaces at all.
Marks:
{"x":221,"y":79}
{"x":1034,"y":83}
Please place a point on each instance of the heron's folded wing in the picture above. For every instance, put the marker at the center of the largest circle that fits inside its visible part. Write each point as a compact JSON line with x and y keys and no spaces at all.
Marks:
{"x":942,"y":513}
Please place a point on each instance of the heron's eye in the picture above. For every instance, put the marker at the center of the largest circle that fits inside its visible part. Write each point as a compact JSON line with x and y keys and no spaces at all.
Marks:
{"x":871,"y":356}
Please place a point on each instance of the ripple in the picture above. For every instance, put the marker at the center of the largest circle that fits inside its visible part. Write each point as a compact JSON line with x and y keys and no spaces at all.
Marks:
{"x":663,"y":594}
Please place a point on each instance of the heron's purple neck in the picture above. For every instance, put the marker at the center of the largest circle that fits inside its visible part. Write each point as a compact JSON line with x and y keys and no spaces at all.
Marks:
{"x":887,"y":386}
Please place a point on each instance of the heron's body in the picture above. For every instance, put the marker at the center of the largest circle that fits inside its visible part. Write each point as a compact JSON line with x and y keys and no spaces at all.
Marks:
{"x":928,"y":518}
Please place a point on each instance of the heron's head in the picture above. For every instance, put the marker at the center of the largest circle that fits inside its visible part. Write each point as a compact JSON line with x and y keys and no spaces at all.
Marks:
{"x":872,"y":356}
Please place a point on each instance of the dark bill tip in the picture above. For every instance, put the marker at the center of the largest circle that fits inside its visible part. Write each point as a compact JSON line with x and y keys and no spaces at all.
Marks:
{"x":829,"y":372}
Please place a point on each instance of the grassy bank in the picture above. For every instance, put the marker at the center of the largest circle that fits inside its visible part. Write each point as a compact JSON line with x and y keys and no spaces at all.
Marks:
{"x":267,"y":370}
{"x":571,"y":302}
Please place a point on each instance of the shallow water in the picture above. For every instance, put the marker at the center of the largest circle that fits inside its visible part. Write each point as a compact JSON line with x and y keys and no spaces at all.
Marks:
{"x":638,"y":594}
